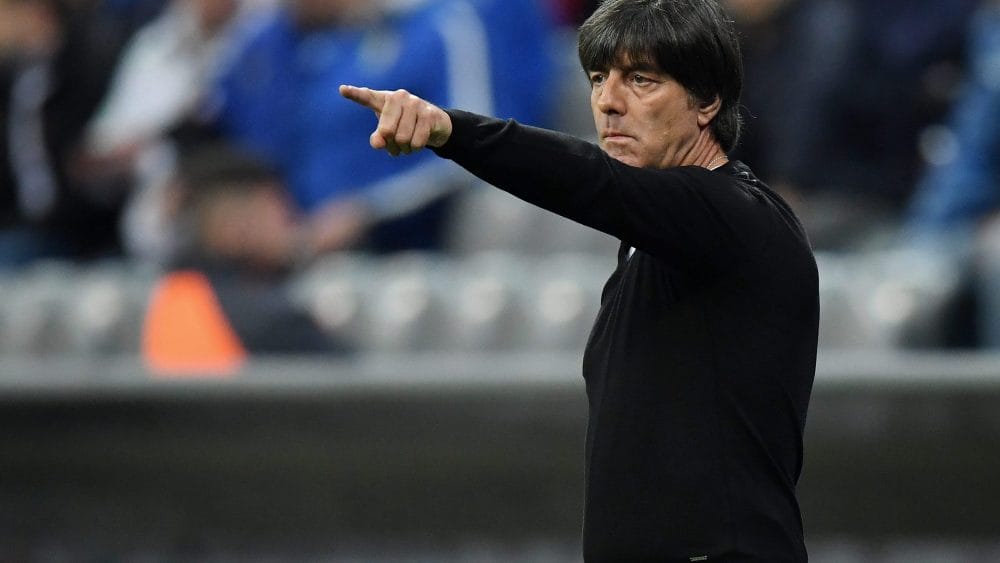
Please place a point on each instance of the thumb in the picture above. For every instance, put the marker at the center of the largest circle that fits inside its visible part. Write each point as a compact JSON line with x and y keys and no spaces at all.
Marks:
{"x":371,"y":99}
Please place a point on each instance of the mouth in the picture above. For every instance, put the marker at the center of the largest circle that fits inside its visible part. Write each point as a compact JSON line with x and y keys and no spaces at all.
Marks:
{"x":611,"y":136}
{"x":614,"y":134}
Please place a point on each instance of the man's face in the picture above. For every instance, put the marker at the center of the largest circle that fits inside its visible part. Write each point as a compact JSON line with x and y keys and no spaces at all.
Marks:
{"x":270,"y":228}
{"x":255,"y":226}
{"x":644,"y":117}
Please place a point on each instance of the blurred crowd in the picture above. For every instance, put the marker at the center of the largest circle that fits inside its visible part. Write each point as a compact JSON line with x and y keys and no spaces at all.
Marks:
{"x":878,"y":121}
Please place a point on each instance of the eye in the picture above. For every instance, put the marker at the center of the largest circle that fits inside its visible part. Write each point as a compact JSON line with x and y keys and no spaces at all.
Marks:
{"x":640,"y":79}
{"x":597,"y":78}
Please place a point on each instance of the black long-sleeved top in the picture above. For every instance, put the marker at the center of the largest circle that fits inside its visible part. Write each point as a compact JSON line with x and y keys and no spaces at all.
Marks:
{"x":701,"y":361}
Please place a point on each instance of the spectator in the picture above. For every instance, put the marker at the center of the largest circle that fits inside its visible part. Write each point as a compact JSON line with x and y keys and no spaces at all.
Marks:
{"x":791,"y":93}
{"x":518,"y":35}
{"x":280,"y":98}
{"x":225,"y":297}
{"x":55,"y":58}
{"x":956,"y":205}
{"x":850,"y":84}
{"x":157,"y":88}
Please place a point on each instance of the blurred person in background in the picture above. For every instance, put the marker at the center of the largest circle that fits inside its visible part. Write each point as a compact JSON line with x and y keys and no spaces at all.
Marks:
{"x":278,"y":98}
{"x":56,"y":57}
{"x":797,"y":54}
{"x":955,"y":208}
{"x":848,"y":83}
{"x":700,"y":364}
{"x":154,"y":105}
{"x":225,"y":296}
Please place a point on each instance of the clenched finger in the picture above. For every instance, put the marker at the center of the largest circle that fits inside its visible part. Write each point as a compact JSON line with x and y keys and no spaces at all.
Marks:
{"x":404,"y":131}
{"x":421,"y":133}
{"x":388,"y":123}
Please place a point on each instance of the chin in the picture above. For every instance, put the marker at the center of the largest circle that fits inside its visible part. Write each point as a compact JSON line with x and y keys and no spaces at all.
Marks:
{"x":629,"y":159}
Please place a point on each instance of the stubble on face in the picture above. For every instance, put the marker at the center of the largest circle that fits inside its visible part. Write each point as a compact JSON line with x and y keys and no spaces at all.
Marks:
{"x":644,"y":117}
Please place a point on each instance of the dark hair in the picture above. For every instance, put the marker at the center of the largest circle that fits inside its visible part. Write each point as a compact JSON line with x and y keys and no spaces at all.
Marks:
{"x":691,"y":40}
{"x":208,"y":174}
{"x":216,"y":169}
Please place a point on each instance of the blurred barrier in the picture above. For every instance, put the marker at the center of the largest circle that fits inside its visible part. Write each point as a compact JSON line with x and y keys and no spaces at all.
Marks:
{"x":488,"y":300}
{"x":436,"y":450}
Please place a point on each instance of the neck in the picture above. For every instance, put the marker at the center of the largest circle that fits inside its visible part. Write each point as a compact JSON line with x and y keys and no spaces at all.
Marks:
{"x":706,"y":152}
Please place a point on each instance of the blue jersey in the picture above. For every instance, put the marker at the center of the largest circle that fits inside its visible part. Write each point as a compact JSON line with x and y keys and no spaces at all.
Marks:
{"x":279,"y":96}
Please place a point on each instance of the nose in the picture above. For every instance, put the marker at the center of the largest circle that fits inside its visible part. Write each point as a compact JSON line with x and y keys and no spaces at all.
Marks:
{"x":608,"y":96}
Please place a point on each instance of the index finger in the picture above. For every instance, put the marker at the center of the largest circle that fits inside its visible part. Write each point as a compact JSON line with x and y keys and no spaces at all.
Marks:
{"x":371,"y":99}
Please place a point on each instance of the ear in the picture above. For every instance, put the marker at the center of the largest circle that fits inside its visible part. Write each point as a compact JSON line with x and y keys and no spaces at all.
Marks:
{"x":708,"y":110}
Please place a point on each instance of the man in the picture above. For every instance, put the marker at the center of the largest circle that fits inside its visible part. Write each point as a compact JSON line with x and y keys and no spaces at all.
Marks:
{"x":701,"y":361}
{"x":957,"y":200}
{"x":226,"y":297}
{"x":152,"y":112}
{"x":274,"y":98}
{"x":55,"y":60}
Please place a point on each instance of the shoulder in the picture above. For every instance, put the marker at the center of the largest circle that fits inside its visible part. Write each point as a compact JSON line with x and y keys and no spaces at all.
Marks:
{"x":753,"y":213}
{"x":730,"y":186}
{"x":752,"y":185}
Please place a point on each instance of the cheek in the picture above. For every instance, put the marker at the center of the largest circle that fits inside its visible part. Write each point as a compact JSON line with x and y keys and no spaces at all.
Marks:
{"x":279,"y":221}
{"x":674,"y":127}
{"x":594,"y":111}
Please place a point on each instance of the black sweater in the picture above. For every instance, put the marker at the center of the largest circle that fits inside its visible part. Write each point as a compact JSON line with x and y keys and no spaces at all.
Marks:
{"x":700,"y":363}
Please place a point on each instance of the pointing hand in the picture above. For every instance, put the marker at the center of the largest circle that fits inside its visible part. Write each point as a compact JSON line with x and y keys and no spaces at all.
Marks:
{"x":406,"y":123}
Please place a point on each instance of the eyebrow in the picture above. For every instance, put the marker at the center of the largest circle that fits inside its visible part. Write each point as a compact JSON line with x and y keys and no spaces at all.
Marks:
{"x":626,"y":69}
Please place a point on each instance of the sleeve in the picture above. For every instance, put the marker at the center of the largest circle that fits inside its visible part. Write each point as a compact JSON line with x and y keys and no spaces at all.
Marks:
{"x":695,"y":219}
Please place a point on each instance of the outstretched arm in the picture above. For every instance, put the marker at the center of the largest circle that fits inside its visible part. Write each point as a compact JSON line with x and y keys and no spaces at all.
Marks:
{"x":699,"y":221}
{"x":406,"y":123}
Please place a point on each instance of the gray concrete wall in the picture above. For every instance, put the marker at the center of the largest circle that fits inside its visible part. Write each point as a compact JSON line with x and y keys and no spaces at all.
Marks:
{"x":440,"y":450}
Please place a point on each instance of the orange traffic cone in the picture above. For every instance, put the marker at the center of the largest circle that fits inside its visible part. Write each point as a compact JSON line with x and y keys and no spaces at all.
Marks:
{"x":186,"y":333}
